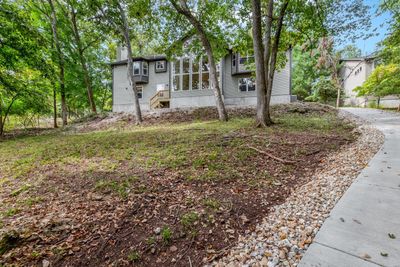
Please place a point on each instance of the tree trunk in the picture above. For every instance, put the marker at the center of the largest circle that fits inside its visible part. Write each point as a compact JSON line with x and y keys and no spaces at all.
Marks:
{"x":54,"y":107}
{"x":125,"y":31}
{"x":274,"y":53}
{"x":222,"y":114}
{"x":1,"y":126}
{"x":86,"y":75}
{"x":338,"y":97}
{"x":60,"y":63}
{"x":259,"y":56}
{"x":183,"y":9}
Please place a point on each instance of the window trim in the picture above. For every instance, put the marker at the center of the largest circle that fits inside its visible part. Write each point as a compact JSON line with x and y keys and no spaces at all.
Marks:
{"x":163,"y":69}
{"x":136,"y":62}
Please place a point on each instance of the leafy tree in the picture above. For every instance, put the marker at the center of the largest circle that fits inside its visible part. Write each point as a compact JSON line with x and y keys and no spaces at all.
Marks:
{"x":390,"y":46}
{"x":210,"y":24}
{"x":324,"y":90}
{"x":383,"y":81}
{"x":291,"y":22}
{"x":115,"y":14}
{"x":350,"y":51}
{"x":22,"y":65}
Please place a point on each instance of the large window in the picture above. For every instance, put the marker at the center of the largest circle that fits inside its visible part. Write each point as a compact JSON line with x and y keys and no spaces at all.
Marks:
{"x":247,"y":85}
{"x":191,"y":74}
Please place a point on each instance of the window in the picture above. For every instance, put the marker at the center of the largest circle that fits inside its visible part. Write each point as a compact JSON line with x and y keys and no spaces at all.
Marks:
{"x":145,"y":68}
{"x":176,"y":69}
{"x":186,"y":74}
{"x":233,"y":60}
{"x":161,"y":66}
{"x":139,"y":90}
{"x":247,"y":85}
{"x":244,"y":61}
{"x":136,"y":68}
{"x":191,"y":74}
{"x":205,"y":75}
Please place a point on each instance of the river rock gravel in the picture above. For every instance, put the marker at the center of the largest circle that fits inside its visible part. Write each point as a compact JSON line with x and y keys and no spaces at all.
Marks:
{"x":285,"y":234}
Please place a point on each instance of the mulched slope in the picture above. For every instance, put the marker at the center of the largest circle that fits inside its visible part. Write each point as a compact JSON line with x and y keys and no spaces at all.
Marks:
{"x":189,"y":212}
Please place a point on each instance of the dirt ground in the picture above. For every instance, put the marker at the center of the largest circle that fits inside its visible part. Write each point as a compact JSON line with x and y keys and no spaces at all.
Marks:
{"x":177,"y":191}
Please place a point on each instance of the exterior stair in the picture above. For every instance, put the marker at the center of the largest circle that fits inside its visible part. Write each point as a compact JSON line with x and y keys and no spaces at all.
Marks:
{"x":160,"y":100}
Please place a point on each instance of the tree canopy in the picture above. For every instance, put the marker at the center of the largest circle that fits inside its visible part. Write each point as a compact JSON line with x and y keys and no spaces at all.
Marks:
{"x":54,"y":53}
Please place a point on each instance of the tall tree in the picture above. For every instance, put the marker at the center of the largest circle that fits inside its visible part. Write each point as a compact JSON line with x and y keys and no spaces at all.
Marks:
{"x":72,"y":14}
{"x":281,"y":24}
{"x":182,"y":8}
{"x":61,"y":62}
{"x":21,"y":62}
{"x":114,"y":13}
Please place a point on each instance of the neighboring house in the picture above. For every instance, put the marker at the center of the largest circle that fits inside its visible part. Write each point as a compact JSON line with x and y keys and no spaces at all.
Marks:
{"x":185,"y":82}
{"x":354,"y":72}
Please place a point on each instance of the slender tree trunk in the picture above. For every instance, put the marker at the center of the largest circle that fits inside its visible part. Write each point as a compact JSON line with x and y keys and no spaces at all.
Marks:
{"x":274,"y":53}
{"x":259,"y":56}
{"x":86,"y":75}
{"x":1,"y":125}
{"x":125,"y":31}
{"x":54,"y":107}
{"x":60,"y":63}
{"x":183,"y":9}
{"x":222,"y":114}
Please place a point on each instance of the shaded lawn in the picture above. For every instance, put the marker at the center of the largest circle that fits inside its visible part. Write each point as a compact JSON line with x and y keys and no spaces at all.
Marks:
{"x":153,"y":194}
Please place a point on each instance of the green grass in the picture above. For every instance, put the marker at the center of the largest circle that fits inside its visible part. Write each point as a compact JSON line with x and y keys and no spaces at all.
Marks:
{"x":106,"y":159}
{"x":166,"y":234}
{"x":189,"y":219}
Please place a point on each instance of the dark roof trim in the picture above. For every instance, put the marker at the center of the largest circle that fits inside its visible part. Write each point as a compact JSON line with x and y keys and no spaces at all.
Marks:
{"x":146,"y":58}
{"x":358,"y":58}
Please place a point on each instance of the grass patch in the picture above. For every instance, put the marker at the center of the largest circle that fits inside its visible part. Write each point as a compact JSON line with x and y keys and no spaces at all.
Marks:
{"x":188,"y":220}
{"x":122,"y":188}
{"x":211,"y":203}
{"x":134,"y":256}
{"x":11,"y":212}
{"x":20,"y":190}
{"x":166,"y":234}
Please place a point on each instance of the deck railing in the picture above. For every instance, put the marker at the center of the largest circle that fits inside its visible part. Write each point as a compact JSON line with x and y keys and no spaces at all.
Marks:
{"x":160,"y":96}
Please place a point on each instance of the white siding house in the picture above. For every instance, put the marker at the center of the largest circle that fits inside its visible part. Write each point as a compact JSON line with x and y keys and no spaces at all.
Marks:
{"x":354,"y":72}
{"x":185,"y":82}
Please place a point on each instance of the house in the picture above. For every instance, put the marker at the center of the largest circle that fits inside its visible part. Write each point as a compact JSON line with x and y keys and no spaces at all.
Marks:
{"x":354,"y":72}
{"x":185,"y":82}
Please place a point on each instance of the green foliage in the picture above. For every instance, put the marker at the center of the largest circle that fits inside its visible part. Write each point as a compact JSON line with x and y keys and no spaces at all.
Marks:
{"x":189,"y":219}
{"x":166,"y":234}
{"x":324,"y":91}
{"x":211,"y":203}
{"x":350,"y":51}
{"x":383,"y":81}
{"x":134,"y":256}
{"x":390,"y":46}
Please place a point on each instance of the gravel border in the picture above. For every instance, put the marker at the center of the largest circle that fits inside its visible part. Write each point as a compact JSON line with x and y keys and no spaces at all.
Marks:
{"x":285,"y":234}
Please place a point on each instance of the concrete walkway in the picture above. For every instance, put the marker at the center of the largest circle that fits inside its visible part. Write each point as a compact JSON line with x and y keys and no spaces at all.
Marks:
{"x":357,"y":231}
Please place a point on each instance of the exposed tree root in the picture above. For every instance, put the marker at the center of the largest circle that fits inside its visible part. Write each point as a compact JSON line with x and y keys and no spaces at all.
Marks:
{"x":272,"y":156}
